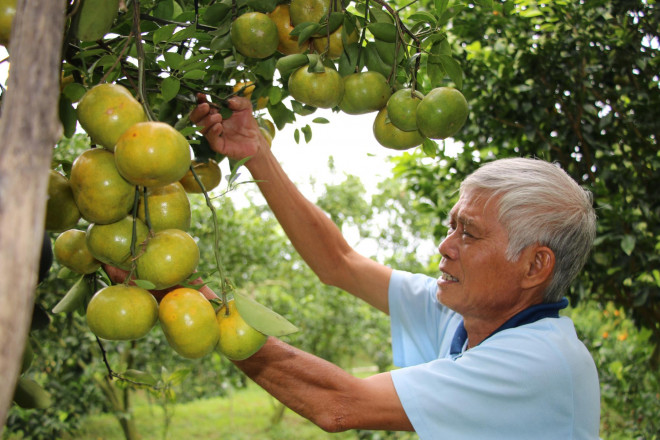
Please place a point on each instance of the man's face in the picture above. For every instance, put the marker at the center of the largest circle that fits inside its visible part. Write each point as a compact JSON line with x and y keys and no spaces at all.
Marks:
{"x":476,"y":279}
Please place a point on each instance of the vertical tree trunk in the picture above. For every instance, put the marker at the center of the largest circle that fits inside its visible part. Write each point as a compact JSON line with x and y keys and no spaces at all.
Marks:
{"x":29,"y":128}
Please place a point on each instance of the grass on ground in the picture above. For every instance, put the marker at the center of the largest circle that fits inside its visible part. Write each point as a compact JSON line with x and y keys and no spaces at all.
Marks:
{"x":245,"y":415}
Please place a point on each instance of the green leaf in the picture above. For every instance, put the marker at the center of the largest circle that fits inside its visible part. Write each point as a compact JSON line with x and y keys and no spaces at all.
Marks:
{"x":307,"y":131}
{"x":383,"y":31}
{"x":164,"y":33}
{"x":262,"y":5}
{"x":144,"y":284}
{"x":425,"y":17}
{"x":628,"y":244}
{"x":265,"y":68}
{"x":430,"y":147}
{"x":170,"y":87}
{"x":274,"y":95}
{"x":321,"y":120}
{"x":453,"y":69}
{"x":177,"y":376}
{"x":215,"y":13}
{"x":296,"y":136}
{"x":164,"y":9}
{"x":141,"y":377}
{"x":440,"y":6}
{"x":222,"y":42}
{"x":304,"y":31}
{"x":194,"y":74}
{"x":380,"y":16}
{"x":74,"y":298}
{"x":486,"y":4}
{"x":281,"y":114}
{"x":74,"y":91}
{"x":173,"y":60}
{"x":183,"y":34}
{"x":68,"y":116}
{"x":451,"y":13}
{"x":261,"y":317}
{"x":336,"y":20}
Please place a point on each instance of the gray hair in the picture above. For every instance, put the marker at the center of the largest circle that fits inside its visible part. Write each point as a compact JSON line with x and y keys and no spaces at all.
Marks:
{"x":539,"y":203}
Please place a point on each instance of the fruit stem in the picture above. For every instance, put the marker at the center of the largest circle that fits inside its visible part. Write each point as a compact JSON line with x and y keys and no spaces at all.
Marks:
{"x":136,"y":201}
{"x":225,"y":285}
{"x":147,"y":217}
{"x":142,"y":89}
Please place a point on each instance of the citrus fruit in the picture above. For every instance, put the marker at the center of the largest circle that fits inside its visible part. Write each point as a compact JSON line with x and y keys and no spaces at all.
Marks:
{"x":302,"y":11}
{"x":188,"y":322}
{"x":391,"y":137}
{"x":338,"y":39}
{"x":238,"y":340}
{"x":208,"y":172}
{"x":111,"y":243}
{"x":152,"y":154}
{"x":244,"y":88}
{"x":287,"y":44}
{"x":107,"y":110}
{"x":71,"y":251}
{"x":268,"y":125}
{"x":323,"y":89}
{"x":168,"y":207}
{"x":441,"y":113}
{"x":62,"y":213}
{"x":266,"y":134}
{"x":101,"y":193}
{"x":364,"y":92}
{"x":254,"y":35}
{"x":122,"y":313}
{"x":169,"y":258}
{"x":402,"y":109}
{"x":7,"y":14}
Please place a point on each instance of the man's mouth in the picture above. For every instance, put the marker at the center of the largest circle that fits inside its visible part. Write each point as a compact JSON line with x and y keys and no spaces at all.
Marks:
{"x":447,"y":277}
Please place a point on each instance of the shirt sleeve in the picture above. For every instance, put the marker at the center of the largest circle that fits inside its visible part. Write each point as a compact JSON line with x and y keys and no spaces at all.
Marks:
{"x":421,"y":327}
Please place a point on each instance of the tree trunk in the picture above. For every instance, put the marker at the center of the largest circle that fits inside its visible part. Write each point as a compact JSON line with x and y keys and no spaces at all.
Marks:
{"x":29,"y":128}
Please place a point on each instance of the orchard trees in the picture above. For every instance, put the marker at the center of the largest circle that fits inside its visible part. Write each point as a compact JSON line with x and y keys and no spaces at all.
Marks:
{"x":130,"y":72}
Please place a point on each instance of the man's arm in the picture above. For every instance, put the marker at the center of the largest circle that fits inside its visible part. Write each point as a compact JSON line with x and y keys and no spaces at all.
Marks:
{"x":324,"y":393}
{"x":316,"y":238}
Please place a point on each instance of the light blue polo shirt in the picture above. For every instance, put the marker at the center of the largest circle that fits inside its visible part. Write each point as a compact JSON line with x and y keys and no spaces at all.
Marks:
{"x":535,"y":381}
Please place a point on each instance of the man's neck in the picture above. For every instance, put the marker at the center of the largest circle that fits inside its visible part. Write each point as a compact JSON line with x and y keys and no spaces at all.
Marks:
{"x":481,"y":327}
{"x":528,"y":315}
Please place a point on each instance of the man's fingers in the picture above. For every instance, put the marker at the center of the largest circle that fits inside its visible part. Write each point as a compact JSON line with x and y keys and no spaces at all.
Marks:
{"x":201,"y":98}
{"x":238,"y":103}
{"x":201,"y":111}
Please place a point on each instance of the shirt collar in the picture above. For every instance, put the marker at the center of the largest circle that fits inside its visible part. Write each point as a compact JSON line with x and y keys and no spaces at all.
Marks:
{"x":527,"y":316}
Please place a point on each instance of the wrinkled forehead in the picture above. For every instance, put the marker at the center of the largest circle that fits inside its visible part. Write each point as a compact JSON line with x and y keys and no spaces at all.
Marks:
{"x":476,"y":201}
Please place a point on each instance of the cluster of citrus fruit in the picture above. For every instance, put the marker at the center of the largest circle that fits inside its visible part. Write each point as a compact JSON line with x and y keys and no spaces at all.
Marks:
{"x":405,"y":118}
{"x":133,"y":189}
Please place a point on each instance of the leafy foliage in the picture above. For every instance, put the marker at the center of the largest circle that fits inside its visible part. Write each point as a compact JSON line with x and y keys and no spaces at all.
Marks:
{"x":630,"y":392}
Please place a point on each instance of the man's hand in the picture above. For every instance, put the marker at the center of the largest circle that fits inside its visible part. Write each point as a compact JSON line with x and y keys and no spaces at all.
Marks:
{"x":237,"y":137}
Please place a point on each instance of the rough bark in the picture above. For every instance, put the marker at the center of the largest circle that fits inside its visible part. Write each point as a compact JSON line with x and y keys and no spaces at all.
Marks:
{"x":29,"y":128}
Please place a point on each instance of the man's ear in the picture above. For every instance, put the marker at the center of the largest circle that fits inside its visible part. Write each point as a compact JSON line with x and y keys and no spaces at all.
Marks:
{"x":541,"y":263}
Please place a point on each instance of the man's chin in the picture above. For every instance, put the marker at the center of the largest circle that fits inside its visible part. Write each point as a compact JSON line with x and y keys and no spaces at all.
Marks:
{"x":443,"y":298}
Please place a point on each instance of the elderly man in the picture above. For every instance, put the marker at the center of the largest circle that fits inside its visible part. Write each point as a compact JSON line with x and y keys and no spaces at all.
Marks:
{"x":482,"y":349}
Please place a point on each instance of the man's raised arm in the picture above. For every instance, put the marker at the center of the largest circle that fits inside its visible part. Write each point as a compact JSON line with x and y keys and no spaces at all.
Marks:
{"x":316,"y":238}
